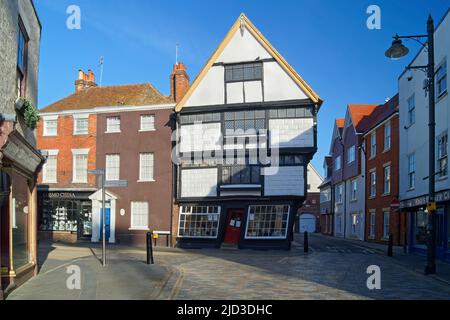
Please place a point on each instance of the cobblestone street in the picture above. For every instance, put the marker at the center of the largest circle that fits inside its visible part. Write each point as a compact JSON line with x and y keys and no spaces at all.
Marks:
{"x":334,"y":269}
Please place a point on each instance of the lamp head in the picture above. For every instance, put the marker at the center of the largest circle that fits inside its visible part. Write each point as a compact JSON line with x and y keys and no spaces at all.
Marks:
{"x":397,"y":49}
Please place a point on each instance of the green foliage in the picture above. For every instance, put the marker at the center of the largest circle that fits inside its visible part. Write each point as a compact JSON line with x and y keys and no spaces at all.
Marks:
{"x":30,"y":114}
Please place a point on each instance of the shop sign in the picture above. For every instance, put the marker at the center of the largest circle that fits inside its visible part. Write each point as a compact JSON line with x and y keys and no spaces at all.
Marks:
{"x":423,"y":201}
{"x":61,"y":195}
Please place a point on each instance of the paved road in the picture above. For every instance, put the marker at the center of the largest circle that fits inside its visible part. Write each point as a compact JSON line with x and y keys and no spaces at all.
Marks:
{"x":334,"y":269}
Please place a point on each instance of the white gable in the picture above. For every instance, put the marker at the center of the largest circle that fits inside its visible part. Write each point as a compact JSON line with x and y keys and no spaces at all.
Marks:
{"x":243,"y":46}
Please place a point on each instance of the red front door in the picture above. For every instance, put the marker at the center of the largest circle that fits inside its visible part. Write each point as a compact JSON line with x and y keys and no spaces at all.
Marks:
{"x":234,"y":224}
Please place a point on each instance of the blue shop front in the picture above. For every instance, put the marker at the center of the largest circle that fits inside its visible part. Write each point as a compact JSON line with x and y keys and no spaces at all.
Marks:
{"x":418,"y":224}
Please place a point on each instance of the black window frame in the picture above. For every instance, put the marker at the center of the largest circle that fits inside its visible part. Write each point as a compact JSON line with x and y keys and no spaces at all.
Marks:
{"x":237,"y":72}
{"x":251,"y":120}
{"x":236,"y":173}
{"x":22,"y":58}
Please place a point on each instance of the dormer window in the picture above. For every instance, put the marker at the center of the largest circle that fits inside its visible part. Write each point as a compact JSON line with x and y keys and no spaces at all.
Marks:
{"x":243,"y":72}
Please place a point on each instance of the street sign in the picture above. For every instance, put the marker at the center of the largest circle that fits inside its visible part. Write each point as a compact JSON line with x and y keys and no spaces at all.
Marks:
{"x":116,"y":184}
{"x":96,"y":172}
{"x":395,"y":204}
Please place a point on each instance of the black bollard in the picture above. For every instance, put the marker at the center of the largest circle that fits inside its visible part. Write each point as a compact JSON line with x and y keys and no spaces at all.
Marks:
{"x":390,"y":245}
{"x":149,"y":248}
{"x":305,"y":243}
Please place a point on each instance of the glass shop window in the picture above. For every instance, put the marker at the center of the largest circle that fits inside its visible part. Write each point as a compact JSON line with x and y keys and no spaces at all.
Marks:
{"x":199,"y":222}
{"x":267,"y":221}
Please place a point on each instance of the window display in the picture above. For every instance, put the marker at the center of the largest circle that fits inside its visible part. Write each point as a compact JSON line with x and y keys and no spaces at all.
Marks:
{"x":67,"y":216}
{"x":201,"y":222}
{"x":267,"y":221}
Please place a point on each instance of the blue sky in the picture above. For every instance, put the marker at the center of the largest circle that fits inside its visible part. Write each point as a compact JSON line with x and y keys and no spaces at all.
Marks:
{"x":326,"y":41}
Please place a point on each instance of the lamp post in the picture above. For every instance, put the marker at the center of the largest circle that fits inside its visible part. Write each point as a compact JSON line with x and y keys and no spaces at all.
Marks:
{"x":397,"y":51}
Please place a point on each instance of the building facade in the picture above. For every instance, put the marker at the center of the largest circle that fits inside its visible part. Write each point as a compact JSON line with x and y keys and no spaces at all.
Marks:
{"x":67,"y":135}
{"x":413,"y":159}
{"x":246,"y":131}
{"x":381,"y":142}
{"x":353,"y":166}
{"x":326,"y":199}
{"x":308,"y":216}
{"x":20,"y":162}
{"x":124,"y":131}
{"x":337,"y":178}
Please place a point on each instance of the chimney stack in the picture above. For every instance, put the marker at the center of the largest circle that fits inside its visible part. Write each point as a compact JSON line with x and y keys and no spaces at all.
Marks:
{"x":85,"y":80}
{"x":179,"y":82}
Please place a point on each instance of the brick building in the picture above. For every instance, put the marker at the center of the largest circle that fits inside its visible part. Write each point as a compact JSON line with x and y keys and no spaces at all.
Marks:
{"x":20,"y":32}
{"x":124,"y":130}
{"x":381,"y":144}
{"x":67,"y":135}
{"x":308,"y":216}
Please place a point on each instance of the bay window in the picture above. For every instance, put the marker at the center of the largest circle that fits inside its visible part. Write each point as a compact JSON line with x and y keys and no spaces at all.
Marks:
{"x":267,"y":222}
{"x":199,"y":222}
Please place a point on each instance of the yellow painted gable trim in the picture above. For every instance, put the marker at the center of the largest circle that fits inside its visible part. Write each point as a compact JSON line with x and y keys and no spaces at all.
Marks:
{"x":266,"y":44}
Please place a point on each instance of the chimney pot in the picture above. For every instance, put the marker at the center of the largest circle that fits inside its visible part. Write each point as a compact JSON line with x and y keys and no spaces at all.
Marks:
{"x":85,"y":80}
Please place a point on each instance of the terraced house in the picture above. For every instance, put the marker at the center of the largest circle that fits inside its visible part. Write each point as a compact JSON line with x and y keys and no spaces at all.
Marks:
{"x":123,"y":130}
{"x":247,"y":103}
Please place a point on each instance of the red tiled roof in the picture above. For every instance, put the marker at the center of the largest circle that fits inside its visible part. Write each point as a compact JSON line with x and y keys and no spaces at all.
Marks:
{"x":340,"y":123}
{"x":359,"y":114}
{"x":124,"y":95}
{"x":381,"y":113}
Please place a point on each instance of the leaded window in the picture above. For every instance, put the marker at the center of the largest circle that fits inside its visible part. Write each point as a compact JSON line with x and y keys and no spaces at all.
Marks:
{"x":243,"y":72}
{"x":267,"y":221}
{"x":199,"y":222}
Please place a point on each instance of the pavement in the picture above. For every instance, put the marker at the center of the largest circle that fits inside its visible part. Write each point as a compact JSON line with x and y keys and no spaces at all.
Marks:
{"x":333,"y":269}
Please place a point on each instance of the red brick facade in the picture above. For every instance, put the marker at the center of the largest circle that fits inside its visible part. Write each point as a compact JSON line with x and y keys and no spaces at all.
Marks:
{"x":381,"y":202}
{"x":64,"y":142}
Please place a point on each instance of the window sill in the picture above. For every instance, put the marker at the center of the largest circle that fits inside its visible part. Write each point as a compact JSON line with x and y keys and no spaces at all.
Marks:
{"x":386,"y":194}
{"x":410,"y":189}
{"x":50,"y":135}
{"x":79,"y":182}
{"x":113,"y":132}
{"x":386,"y":150}
{"x":442,"y":178}
{"x":146,"y":181}
{"x":441,"y":96}
{"x":81,"y":134}
{"x":139,"y":229}
{"x":146,"y":130}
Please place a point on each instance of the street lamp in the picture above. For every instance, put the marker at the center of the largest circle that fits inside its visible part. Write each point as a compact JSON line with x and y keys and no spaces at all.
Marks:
{"x":395,"y":52}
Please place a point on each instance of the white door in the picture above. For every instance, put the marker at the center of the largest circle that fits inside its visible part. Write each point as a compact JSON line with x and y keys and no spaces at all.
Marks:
{"x":307,"y":223}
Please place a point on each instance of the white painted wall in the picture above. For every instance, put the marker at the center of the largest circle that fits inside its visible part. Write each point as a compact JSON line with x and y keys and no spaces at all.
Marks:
{"x":292,"y":132}
{"x":314,"y":179}
{"x":414,"y":139}
{"x":278,"y":85}
{"x":199,"y":182}
{"x":198,"y":137}
{"x":289,"y":181}
{"x":210,"y":90}
{"x":243,"y":47}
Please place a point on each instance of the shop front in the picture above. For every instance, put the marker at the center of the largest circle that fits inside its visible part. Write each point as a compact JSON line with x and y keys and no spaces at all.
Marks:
{"x":65,"y":215}
{"x":19,"y":164}
{"x":245,"y":225}
{"x":418,"y":226}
